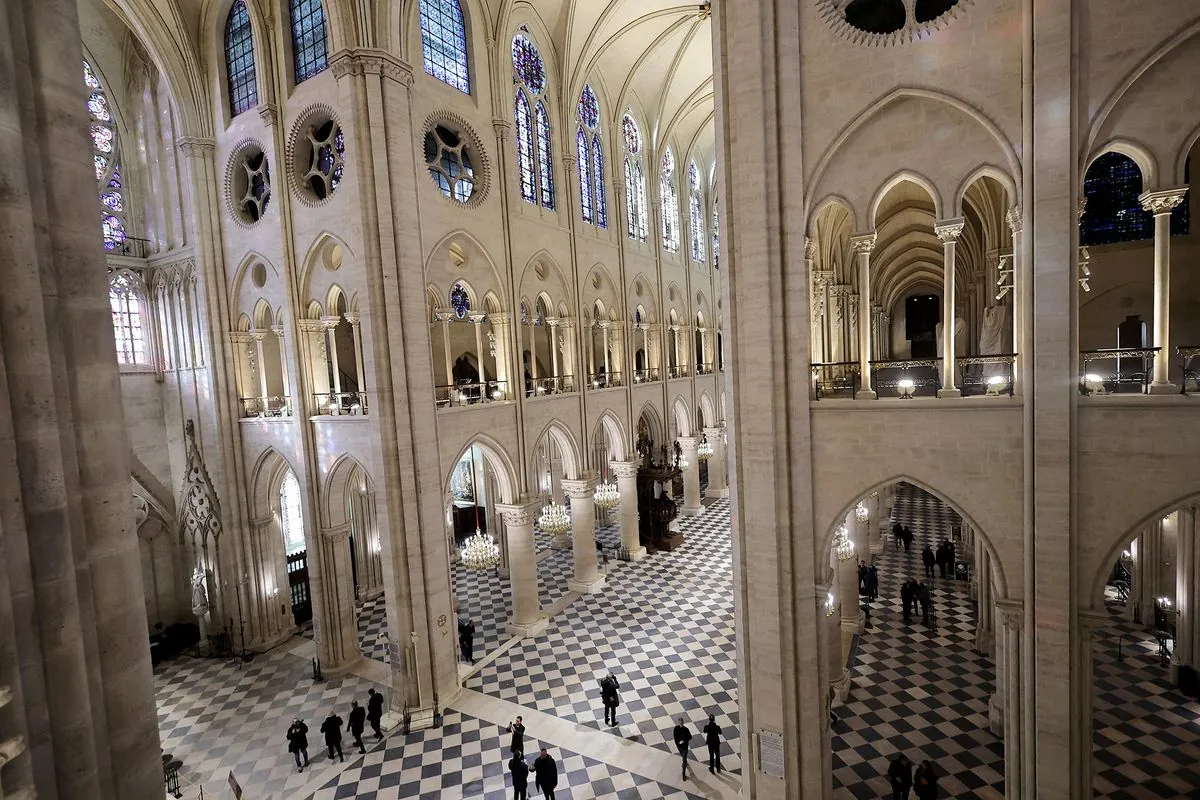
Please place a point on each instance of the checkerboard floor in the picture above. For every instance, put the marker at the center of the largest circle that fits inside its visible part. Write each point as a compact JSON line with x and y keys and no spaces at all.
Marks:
{"x":1145,"y":734}
{"x":219,"y":717}
{"x":468,"y":757}
{"x":663,"y":625}
{"x":918,"y":691}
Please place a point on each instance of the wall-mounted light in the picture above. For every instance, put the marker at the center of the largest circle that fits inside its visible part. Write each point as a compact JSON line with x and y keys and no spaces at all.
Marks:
{"x":906,"y":387}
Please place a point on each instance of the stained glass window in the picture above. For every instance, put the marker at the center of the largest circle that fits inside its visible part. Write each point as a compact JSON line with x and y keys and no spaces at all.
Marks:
{"x":533,"y":123}
{"x":1113,"y":212}
{"x":310,"y":50}
{"x":716,"y":237}
{"x":449,"y":163}
{"x":460,"y":301}
{"x":444,"y":43}
{"x":125,"y":300}
{"x":239,"y":59}
{"x":291,"y":515}
{"x":103,"y":134}
{"x":696,"y":213}
{"x":591,"y":159}
{"x":635,"y":180}
{"x":669,"y":198}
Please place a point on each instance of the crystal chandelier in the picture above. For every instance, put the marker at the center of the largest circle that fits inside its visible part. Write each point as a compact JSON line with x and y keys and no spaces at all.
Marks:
{"x":607,"y":497}
{"x":554,"y":520}
{"x":830,"y":605}
{"x":480,"y":552}
{"x":704,"y":450}
{"x":861,"y":512}
{"x":842,"y":544}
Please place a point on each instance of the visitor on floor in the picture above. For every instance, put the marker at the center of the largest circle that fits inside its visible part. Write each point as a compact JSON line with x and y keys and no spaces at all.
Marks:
{"x":545,"y":774}
{"x":945,"y":558}
{"x":466,"y":640}
{"x":520,"y":777}
{"x":356,"y":723}
{"x":925,"y":781}
{"x":517,"y":729}
{"x":297,"y":738}
{"x":610,"y":697}
{"x":873,"y":583}
{"x":907,"y":535}
{"x":900,"y":776}
{"x":683,"y":738}
{"x":929,"y":560}
{"x":897,"y":534}
{"x":332,"y":728}
{"x":908,"y":598}
{"x":712,"y":738}
{"x":375,"y":711}
{"x":926,"y":599}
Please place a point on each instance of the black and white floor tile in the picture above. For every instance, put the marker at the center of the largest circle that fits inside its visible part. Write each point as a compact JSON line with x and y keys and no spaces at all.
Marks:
{"x":918,"y":690}
{"x":663,"y":626}
{"x":468,"y":757}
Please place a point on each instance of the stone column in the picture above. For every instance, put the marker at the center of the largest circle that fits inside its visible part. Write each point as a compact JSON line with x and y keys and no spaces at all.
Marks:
{"x":718,"y":485}
{"x":948,"y":231}
{"x":1147,"y":570}
{"x":283,"y":370}
{"x":851,"y":612}
{"x":528,"y":619}
{"x":817,"y":322}
{"x":355,"y":320}
{"x":339,"y":622}
{"x":1187,"y":593}
{"x":269,"y":596}
{"x":1012,"y":619}
{"x":985,"y":636}
{"x":1016,"y":224}
{"x":839,"y":674}
{"x":1160,"y":204}
{"x":996,"y":702}
{"x":587,"y":579}
{"x":500,"y":342}
{"x":631,"y":541}
{"x":862,"y":244}
{"x":552,"y":324}
{"x":1088,"y":623}
{"x":691,"y":476}
{"x":258,"y":337}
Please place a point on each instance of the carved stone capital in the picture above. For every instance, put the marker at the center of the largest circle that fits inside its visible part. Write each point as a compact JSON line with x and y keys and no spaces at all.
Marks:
{"x":311,"y":325}
{"x":1015,"y":220}
{"x":240,"y":337}
{"x":197,"y":147}
{"x":810,"y":248}
{"x":336,"y":535}
{"x":948,"y":230}
{"x":1012,"y":615}
{"x":1162,"y":201}
{"x":269,"y":114}
{"x":570,"y":161}
{"x":277,"y":330}
{"x":371,"y":62}
{"x":353,"y":317}
{"x":581,"y":489}
{"x":519,"y":515}
{"x":863,"y":242}
{"x":500,"y":318}
{"x":503,"y":129}
{"x":624,"y":469}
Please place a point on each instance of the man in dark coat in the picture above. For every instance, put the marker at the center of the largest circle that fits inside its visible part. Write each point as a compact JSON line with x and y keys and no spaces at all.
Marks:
{"x":873,"y":583}
{"x":610,"y":696}
{"x":375,"y":711}
{"x":928,"y":559}
{"x":712,"y":738}
{"x":906,"y":599}
{"x":297,"y":738}
{"x":332,"y":728}
{"x":900,"y":776}
{"x":545,"y":774}
{"x":356,"y":723}
{"x":466,"y":640}
{"x":925,"y":782}
{"x":517,"y":729}
{"x":520,"y":777}
{"x":926,"y":600}
{"x":897,"y":534}
{"x":683,"y":738}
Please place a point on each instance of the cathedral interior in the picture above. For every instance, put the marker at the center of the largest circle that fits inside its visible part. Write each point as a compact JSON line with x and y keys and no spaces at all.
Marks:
{"x":825,"y":371}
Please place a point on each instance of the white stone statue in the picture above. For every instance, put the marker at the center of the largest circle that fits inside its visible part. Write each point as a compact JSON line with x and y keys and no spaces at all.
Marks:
{"x":199,"y":593}
{"x":991,"y":335}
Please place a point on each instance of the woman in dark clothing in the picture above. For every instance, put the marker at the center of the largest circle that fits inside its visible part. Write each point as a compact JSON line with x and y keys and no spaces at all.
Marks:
{"x":925,"y":782}
{"x":520,"y":777}
{"x":297,"y":737}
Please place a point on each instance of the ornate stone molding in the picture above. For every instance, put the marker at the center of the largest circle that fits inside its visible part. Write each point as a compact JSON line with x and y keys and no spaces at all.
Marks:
{"x":519,"y":514}
{"x":624,"y":469}
{"x":1162,"y":201}
{"x":1012,"y":615}
{"x":311,"y":325}
{"x":500,"y":318}
{"x":335,"y":535}
{"x":823,"y":277}
{"x":200,"y":510}
{"x":371,"y":62}
{"x":197,"y":147}
{"x":862,"y":242}
{"x":580,"y":489}
{"x":834,"y":14}
{"x":810,"y":248}
{"x":269,"y":114}
{"x":1015,"y":220}
{"x":948,"y":230}
{"x":502,"y":128}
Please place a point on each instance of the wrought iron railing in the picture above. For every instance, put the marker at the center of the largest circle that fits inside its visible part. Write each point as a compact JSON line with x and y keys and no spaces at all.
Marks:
{"x":1116,"y":370}
{"x":542,"y":387}
{"x":1191,"y":371}
{"x":470,"y":394}
{"x":679,"y":371}
{"x":914,"y":377}
{"x":339,"y":404}
{"x":705,"y":369}
{"x":266,"y":407}
{"x":646,"y":375}
{"x":839,"y":379}
{"x":606,"y":380}
{"x":987,"y":375}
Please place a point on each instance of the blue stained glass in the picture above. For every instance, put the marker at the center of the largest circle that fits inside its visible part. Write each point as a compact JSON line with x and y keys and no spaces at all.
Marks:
{"x":598,"y":177}
{"x":669,"y":199}
{"x":460,"y":301}
{"x":98,"y":105}
{"x":525,"y":149}
{"x":101,"y":165}
{"x":113,"y":200}
{"x":585,"y":171}
{"x":239,"y":60}
{"x":545,"y":166}
{"x":716,"y":238}
{"x":696,"y":213}
{"x":527,"y":64}
{"x":589,"y":108}
{"x":1113,"y":212}
{"x":310,"y":49}
{"x":444,"y":43}
{"x":89,"y":76}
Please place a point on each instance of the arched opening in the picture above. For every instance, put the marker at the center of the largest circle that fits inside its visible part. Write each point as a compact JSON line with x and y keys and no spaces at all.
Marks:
{"x":289,"y":511}
{"x":344,"y":361}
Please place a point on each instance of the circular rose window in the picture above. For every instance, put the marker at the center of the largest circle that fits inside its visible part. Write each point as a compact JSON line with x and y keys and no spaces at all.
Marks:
{"x":888,"y":22}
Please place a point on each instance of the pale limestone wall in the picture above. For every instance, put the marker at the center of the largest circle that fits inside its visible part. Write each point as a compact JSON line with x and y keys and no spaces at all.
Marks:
{"x":142,"y":400}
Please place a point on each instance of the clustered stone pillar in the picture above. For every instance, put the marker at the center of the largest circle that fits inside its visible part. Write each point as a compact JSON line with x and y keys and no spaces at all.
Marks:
{"x":631,"y":537}
{"x":718,"y":485}
{"x":985,"y":634}
{"x":587,"y":579}
{"x":862,"y":245}
{"x":839,"y":673}
{"x":1161,"y":204}
{"x":1012,"y":619}
{"x":528,"y":619}
{"x":948,"y":231}
{"x":1187,"y":593}
{"x":691,"y":476}
{"x":340,"y":622}
{"x":1147,"y":574}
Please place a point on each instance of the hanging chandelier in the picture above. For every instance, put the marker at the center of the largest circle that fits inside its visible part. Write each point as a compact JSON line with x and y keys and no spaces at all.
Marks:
{"x":606,"y":497}
{"x":704,"y":450}
{"x":554,"y":520}
{"x":480,"y":552}
{"x":830,"y":605}
{"x":842,"y":544}
{"x":861,"y":512}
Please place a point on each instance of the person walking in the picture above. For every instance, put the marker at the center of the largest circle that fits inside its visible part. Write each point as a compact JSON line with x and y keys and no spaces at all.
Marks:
{"x":375,"y":711}
{"x":908,"y":538}
{"x":356,"y":724}
{"x":297,"y":738}
{"x":611,"y":698}
{"x":520,"y":777}
{"x":900,"y":776}
{"x":925,"y":781}
{"x":683,"y":738}
{"x":928,"y":559}
{"x":545,"y":774}
{"x":517,"y":729}
{"x":926,"y":599}
{"x":712,"y":738}
{"x":466,"y":640}
{"x":897,"y":534}
{"x":873,"y":583}
{"x":332,"y":728}
{"x":906,"y":599}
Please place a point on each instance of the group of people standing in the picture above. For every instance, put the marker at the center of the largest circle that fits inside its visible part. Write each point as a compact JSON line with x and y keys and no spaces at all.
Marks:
{"x":868,"y":581}
{"x":297,"y":733}
{"x":913,"y":594}
{"x":902,"y":534}
{"x":943,"y":559}
{"x":712,"y":739}
{"x":924,"y":781}
{"x":544,"y":768}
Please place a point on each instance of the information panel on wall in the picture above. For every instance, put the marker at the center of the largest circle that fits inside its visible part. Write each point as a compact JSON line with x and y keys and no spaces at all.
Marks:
{"x":770,"y":753}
